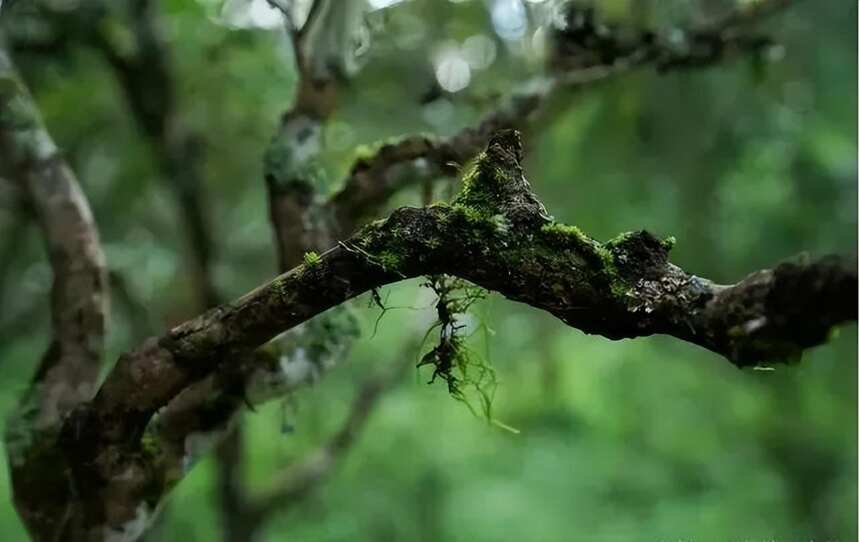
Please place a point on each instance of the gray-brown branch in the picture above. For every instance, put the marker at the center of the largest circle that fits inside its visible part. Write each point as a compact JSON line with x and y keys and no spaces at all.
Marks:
{"x":583,"y":56}
{"x":69,"y":369}
{"x":495,"y":234}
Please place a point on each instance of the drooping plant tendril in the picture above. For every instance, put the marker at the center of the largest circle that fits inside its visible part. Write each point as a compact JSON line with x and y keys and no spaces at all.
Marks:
{"x":452,"y":360}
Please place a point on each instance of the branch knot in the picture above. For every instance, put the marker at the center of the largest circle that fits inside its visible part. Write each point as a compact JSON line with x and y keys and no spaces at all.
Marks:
{"x":496,"y":184}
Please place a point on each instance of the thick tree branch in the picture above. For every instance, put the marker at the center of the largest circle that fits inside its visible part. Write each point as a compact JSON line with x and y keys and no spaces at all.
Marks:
{"x":495,"y":234}
{"x":303,"y":222}
{"x":145,"y":76}
{"x":144,"y":72}
{"x":583,"y":56}
{"x":635,"y":289}
{"x":79,"y":297}
{"x":298,"y":359}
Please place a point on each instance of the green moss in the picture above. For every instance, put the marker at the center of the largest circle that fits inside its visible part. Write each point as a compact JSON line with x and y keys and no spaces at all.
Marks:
{"x":149,"y":445}
{"x":474,"y":214}
{"x":606,"y":259}
{"x":619,"y":239}
{"x":365,"y":153}
{"x":618,"y":288}
{"x":289,"y":169}
{"x":669,"y":242}
{"x":279,"y":285}
{"x":484,"y":185}
{"x":501,"y":224}
{"x":596,"y":256}
{"x":617,"y":285}
{"x":470,"y":179}
{"x":563,"y":232}
{"x":390,"y":260}
{"x":385,"y":244}
{"x":312,"y":259}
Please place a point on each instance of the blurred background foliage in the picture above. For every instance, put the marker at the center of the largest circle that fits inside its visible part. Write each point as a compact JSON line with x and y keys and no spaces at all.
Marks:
{"x":746,"y":164}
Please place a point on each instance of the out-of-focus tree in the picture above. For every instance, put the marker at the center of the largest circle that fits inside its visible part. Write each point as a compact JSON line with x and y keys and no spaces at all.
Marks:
{"x":162,"y":110}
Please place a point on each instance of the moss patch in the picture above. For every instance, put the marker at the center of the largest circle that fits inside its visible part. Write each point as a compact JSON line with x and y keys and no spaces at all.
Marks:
{"x":311,"y":259}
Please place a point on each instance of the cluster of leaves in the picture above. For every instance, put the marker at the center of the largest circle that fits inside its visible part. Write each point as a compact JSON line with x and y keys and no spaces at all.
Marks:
{"x":453,"y":361}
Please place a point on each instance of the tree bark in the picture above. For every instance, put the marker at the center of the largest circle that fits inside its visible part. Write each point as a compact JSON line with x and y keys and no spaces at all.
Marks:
{"x":108,"y":465}
{"x":495,"y":234}
{"x":67,"y":375}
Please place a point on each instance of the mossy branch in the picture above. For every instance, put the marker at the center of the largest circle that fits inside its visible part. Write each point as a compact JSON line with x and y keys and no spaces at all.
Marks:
{"x":497,"y":235}
{"x":388,"y":167}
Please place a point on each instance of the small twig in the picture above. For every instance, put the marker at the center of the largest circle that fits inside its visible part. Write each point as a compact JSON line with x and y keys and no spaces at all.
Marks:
{"x":292,"y":484}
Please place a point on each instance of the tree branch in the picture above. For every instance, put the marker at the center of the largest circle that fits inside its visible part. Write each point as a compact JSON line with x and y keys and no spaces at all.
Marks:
{"x":147,"y":80}
{"x":303,"y":222}
{"x":79,"y":294}
{"x":495,"y":234}
{"x":292,"y":484}
{"x":69,"y":369}
{"x":635,"y":289}
{"x":374,"y":179}
{"x":144,"y":72}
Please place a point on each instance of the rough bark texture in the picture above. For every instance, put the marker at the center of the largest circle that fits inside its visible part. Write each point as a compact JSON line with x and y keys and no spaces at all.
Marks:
{"x":495,"y":234}
{"x":304,"y":222}
{"x":68,"y":372}
{"x":169,"y":401}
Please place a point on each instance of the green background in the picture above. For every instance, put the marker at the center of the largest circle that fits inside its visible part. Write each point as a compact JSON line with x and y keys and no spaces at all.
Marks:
{"x":653,"y":439}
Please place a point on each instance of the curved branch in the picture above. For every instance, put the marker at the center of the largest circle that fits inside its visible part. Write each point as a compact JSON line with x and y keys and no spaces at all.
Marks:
{"x":79,"y":294}
{"x":495,"y":234}
{"x":69,"y":370}
{"x":373,"y":179}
